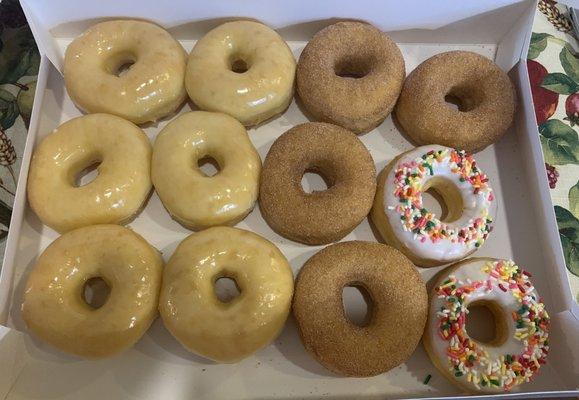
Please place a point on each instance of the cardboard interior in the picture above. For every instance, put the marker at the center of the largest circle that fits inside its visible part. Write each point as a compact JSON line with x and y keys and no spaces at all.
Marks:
{"x":158,"y":366}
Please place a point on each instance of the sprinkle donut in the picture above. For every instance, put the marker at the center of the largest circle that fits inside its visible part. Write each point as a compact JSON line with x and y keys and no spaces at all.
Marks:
{"x":350,"y":74}
{"x":397,"y":308}
{"x":483,"y":92}
{"x":521,"y":342}
{"x":404,"y":222}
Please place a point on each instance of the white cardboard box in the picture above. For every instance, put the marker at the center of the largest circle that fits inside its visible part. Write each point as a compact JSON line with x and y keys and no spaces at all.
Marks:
{"x":157,"y":366}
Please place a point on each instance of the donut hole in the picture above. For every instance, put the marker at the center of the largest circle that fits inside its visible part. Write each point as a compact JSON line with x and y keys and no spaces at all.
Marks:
{"x":120,"y":63}
{"x":239,"y":64}
{"x":314,"y":181}
{"x":95,"y":292}
{"x":442,"y":198}
{"x":226,"y":289}
{"x":461,"y":99}
{"x":485,"y":323}
{"x":357,"y":304}
{"x":87,"y":174}
{"x":208,"y":166}
{"x":352,"y":67}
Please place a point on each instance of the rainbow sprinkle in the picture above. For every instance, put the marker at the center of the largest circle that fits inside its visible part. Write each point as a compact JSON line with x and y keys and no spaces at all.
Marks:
{"x":468,"y":358}
{"x":408,"y":182}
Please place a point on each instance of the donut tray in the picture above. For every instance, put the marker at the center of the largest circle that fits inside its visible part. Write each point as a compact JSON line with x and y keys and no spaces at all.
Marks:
{"x":157,"y":366}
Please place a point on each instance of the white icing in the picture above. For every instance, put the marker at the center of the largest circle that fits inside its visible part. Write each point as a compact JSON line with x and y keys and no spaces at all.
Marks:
{"x":475,"y":205}
{"x":473,"y":270}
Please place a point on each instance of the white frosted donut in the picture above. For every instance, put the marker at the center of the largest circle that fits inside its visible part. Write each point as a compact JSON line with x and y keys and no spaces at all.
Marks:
{"x":226,"y":332}
{"x":54,"y":307}
{"x":152,"y":88}
{"x":520,"y":345}
{"x":118,"y":192}
{"x":215,"y":81}
{"x":195,"y":200}
{"x":402,"y":220}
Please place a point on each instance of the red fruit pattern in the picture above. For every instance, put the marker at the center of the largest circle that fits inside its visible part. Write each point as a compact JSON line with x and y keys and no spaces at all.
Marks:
{"x":552,"y":175}
{"x":572,"y":108}
{"x":545,"y":101}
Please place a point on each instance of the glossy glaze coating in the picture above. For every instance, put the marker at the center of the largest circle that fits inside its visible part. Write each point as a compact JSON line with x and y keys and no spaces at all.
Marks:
{"x":152,"y":88}
{"x":55,"y":310}
{"x":263,"y":91}
{"x":226,"y":332}
{"x":195,"y":200}
{"x":114,"y":196}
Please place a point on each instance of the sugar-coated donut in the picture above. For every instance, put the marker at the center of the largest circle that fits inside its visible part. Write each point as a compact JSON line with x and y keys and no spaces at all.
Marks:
{"x":404,"y":222}
{"x":54,"y":307}
{"x":244,"y":69}
{"x":203,"y":324}
{"x":151,"y":89}
{"x":520,"y":345}
{"x":195,"y":200}
{"x":398,"y":308}
{"x":321,"y":216}
{"x":350,"y":74}
{"x":115,"y":196}
{"x":484,"y":93}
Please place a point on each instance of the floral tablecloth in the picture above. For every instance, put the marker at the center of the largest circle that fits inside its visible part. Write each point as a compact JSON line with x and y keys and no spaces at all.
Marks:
{"x":553,"y":64}
{"x":19,"y":60}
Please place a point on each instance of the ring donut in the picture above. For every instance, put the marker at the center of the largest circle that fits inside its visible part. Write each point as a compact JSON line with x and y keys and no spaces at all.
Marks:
{"x":484,"y":94}
{"x":520,"y":345}
{"x":322,"y":216}
{"x":243,"y":69}
{"x":54,"y":307}
{"x":427,"y":239}
{"x":350,"y":74}
{"x":398,"y":303}
{"x":115,"y":196}
{"x":150,"y":89}
{"x":195,"y":200}
{"x":199,"y":320}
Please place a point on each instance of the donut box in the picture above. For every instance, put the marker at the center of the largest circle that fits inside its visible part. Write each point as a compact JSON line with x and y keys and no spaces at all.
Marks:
{"x":157,"y":366}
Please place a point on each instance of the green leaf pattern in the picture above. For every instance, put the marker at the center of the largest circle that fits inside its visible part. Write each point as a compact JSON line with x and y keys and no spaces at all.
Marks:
{"x":538,"y":44}
{"x":569,"y":235}
{"x":560,"y":143}
{"x":19,"y":62}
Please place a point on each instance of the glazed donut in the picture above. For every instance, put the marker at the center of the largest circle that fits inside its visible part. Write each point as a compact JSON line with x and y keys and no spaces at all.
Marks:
{"x":54,"y":307}
{"x":192,"y":198}
{"x":243,"y":69}
{"x":350,"y":74}
{"x":398,"y":308}
{"x":322,"y":216}
{"x":151,"y":89}
{"x":404,"y":222}
{"x":116,"y":195}
{"x":203,"y":324}
{"x":520,"y":345}
{"x":484,"y":93}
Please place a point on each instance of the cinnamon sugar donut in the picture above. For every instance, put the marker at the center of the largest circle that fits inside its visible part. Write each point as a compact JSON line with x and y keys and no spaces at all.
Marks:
{"x":397,"y":308}
{"x":350,"y":74}
{"x":483,"y":92}
{"x":321,"y":216}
